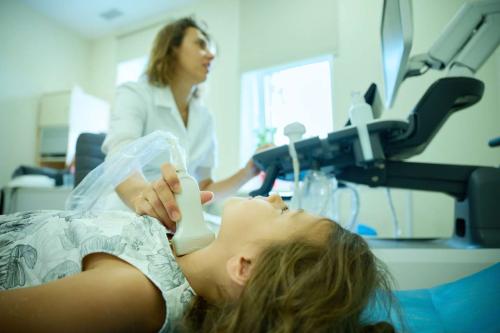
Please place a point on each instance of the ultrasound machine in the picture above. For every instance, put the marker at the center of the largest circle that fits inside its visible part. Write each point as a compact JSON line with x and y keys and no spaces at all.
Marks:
{"x":375,"y":153}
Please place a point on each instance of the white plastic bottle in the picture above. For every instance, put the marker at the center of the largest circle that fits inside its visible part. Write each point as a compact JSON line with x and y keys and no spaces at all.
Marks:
{"x":360,"y":114}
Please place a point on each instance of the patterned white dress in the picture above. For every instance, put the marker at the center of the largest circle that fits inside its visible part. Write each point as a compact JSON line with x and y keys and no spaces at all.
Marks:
{"x":41,"y":246}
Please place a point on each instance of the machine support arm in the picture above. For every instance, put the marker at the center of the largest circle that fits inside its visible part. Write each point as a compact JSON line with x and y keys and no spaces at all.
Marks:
{"x":450,"y":179}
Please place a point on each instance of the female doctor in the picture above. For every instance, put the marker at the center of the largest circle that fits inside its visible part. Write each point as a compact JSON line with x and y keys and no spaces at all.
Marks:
{"x":167,"y":98}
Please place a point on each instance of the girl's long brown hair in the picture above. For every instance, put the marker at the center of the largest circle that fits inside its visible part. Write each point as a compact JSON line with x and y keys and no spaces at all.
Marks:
{"x":299,"y":286}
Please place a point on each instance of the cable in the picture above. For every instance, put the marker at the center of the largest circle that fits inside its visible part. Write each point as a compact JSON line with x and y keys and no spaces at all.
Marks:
{"x":395,"y":222}
{"x":294,"y":132}
{"x":297,"y":198}
{"x":409,"y":213}
{"x":355,"y":205}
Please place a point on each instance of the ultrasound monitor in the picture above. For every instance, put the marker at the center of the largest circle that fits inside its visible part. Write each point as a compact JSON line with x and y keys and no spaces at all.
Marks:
{"x":396,"y":35}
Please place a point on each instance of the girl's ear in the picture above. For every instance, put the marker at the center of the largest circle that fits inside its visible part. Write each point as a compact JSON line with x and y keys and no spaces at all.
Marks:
{"x":239,"y":268}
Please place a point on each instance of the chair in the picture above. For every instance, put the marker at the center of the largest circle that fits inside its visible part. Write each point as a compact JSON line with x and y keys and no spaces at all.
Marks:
{"x":88,"y":154}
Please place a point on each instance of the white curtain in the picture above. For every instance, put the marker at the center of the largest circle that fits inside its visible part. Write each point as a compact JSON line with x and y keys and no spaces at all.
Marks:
{"x":250,"y":106}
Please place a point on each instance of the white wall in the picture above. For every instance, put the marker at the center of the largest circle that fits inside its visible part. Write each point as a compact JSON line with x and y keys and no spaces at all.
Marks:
{"x":37,"y":56}
{"x":497,"y":56}
{"x":282,"y":31}
{"x":102,"y":68}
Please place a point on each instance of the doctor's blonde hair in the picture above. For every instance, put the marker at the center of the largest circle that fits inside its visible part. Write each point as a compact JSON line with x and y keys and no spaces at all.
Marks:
{"x":162,"y":60}
{"x":299,"y":286}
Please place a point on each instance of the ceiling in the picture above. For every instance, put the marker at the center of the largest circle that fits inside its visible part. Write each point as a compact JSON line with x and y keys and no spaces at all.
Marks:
{"x":88,"y":17}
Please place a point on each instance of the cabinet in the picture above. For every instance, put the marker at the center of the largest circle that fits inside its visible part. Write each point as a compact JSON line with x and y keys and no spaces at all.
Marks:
{"x":53,"y":129}
{"x":20,"y":199}
{"x":62,"y":117}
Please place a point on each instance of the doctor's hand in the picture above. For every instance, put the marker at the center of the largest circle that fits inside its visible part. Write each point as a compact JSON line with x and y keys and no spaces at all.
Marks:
{"x":250,"y":168}
{"x":157,"y":199}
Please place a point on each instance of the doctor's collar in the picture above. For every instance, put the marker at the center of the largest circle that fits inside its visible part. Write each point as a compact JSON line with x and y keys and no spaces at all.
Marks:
{"x":163,"y":97}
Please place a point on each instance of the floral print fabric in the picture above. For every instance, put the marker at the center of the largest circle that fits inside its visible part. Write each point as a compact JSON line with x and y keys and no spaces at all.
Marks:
{"x":41,"y":246}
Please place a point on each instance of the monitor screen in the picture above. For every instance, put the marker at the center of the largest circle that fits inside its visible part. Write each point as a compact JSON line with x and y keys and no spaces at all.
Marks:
{"x":396,"y":35}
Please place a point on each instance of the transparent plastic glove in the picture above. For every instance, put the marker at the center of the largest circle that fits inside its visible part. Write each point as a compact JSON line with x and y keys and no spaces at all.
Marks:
{"x":91,"y":193}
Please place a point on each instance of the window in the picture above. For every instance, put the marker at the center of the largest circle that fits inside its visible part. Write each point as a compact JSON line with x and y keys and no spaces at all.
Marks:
{"x":130,"y":70}
{"x":275,"y":97}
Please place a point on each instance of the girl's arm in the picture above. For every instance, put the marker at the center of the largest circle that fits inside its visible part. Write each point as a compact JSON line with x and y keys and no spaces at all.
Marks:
{"x":111,"y":296}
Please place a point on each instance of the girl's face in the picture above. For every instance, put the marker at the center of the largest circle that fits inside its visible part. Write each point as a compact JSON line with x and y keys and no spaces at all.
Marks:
{"x":193,"y":57}
{"x":268,"y":219}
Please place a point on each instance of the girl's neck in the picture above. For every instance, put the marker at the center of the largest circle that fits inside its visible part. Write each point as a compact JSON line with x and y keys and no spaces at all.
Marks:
{"x":205,"y":272}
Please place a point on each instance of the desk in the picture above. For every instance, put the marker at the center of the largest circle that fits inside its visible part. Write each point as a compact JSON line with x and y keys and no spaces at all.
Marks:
{"x":20,"y":199}
{"x":425,"y":264}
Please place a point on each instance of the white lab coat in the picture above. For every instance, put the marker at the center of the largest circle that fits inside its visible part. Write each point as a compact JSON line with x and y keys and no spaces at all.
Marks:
{"x":140,"y":109}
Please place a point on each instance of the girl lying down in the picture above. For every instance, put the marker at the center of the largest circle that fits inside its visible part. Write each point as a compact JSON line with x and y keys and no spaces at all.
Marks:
{"x":269,"y":270}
